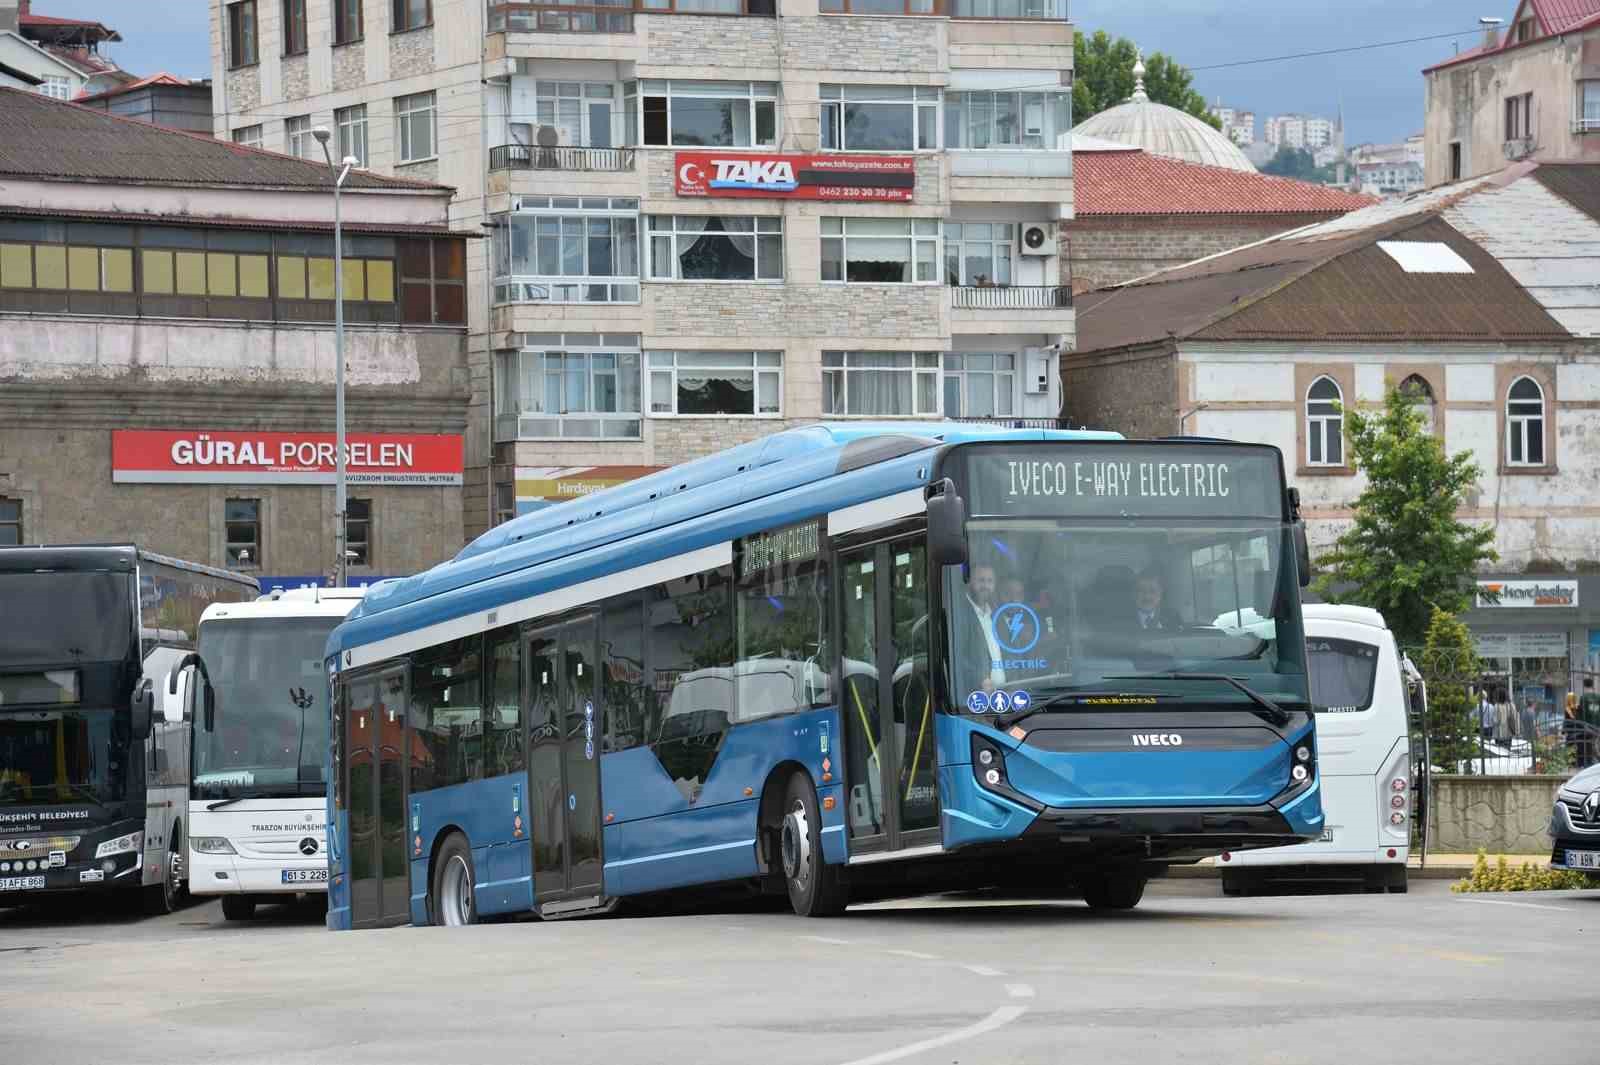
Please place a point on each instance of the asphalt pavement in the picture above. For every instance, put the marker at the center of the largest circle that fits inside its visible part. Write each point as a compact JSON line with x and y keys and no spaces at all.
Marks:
{"x":1427,"y":977}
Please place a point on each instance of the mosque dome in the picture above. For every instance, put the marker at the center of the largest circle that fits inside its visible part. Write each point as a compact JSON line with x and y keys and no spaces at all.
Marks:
{"x":1139,"y":122}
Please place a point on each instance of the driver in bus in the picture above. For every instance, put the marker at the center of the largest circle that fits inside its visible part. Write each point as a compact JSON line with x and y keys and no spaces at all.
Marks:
{"x":1150,"y":611}
{"x":975,"y":643}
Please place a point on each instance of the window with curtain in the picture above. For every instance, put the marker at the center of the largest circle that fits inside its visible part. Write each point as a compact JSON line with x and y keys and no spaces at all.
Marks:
{"x":411,"y":15}
{"x":352,"y":126}
{"x":242,"y":34}
{"x":880,"y":383}
{"x":879,"y":118}
{"x":980,"y":385}
{"x":1525,"y":423}
{"x":1324,"y":423}
{"x":1416,"y":389}
{"x":294,"y":27}
{"x":880,"y":250}
{"x":725,"y":383}
{"x":298,"y":140}
{"x":979,"y":253}
{"x":1006,"y":120}
{"x":347,"y":21}
{"x":716,"y":248}
{"x":416,"y":119}
{"x":566,"y":249}
{"x":704,"y":114}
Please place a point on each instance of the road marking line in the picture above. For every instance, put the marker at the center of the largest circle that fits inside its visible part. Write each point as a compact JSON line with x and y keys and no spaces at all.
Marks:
{"x":998,"y":1019}
{"x":1521,"y":905}
{"x":984,"y":970}
{"x":1019,"y":990}
{"x":826,"y":939}
{"x":914,"y":954}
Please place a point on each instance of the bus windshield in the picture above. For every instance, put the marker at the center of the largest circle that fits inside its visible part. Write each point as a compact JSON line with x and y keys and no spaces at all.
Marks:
{"x":63,"y":616}
{"x":61,"y":756}
{"x":271,"y":722}
{"x":1090,"y":565}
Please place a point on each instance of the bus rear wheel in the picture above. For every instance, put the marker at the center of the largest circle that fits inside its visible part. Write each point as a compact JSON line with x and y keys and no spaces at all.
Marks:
{"x":161,"y":899}
{"x":1117,"y":890}
{"x":453,"y":904}
{"x":816,"y":889}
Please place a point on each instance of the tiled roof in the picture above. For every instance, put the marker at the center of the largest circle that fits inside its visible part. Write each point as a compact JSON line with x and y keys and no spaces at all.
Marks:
{"x":50,"y":22}
{"x":1138,"y":183}
{"x":1332,"y":282}
{"x":53,"y":140}
{"x":1555,"y":17}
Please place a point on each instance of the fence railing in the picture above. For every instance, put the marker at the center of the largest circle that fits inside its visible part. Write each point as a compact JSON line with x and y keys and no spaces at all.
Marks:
{"x":1035,"y":10}
{"x":616,"y":16}
{"x":1013,"y":297}
{"x":534,"y":157}
{"x":1017,"y":423}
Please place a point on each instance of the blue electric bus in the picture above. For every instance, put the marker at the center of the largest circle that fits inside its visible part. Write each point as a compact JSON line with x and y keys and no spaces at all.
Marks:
{"x":842,"y":662}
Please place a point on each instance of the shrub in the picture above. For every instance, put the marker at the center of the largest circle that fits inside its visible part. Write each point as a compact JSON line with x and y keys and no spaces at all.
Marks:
{"x":1530,"y":877}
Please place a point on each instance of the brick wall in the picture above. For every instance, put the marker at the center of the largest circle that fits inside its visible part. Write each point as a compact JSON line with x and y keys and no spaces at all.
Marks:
{"x":411,"y":53}
{"x":673,"y":40}
{"x":681,"y":439}
{"x":1135,"y":394}
{"x":1109,"y":251}
{"x":905,"y":45}
{"x":349,"y":66}
{"x":296,"y":74}
{"x":797,"y":310}
{"x":244,"y":89}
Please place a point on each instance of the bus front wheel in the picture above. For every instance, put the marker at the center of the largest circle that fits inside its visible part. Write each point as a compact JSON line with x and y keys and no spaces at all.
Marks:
{"x":1118,"y":890}
{"x":453,"y":903}
{"x":238,"y":907}
{"x":816,"y":889}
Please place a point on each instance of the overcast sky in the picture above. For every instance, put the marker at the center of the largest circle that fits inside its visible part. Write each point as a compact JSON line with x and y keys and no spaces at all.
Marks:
{"x":1381,"y":88}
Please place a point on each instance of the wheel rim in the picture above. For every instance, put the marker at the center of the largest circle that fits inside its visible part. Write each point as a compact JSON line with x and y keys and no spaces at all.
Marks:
{"x":455,"y":893}
{"x":796,"y":846}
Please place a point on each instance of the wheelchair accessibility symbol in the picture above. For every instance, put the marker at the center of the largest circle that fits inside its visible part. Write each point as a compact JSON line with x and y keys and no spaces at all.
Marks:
{"x":1016,"y":628}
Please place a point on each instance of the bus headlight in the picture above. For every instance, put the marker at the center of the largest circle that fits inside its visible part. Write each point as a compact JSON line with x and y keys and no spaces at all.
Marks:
{"x":133,"y":842}
{"x":1302,"y":754}
{"x":210,"y":845}
{"x":1299,"y":773}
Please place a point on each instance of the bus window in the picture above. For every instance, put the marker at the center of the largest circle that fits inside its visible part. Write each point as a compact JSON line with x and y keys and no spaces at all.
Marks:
{"x":1342,"y":673}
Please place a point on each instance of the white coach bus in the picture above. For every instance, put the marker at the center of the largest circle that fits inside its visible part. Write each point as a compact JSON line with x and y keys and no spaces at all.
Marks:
{"x":257,"y":798}
{"x":1362,"y":685}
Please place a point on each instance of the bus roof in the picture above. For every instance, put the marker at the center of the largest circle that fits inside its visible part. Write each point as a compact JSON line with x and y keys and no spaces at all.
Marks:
{"x":104,"y":556}
{"x":793,"y":475}
{"x":1359,"y":615}
{"x":326,"y":607}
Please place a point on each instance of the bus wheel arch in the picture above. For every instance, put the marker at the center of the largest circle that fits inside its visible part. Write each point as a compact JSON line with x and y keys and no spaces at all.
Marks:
{"x":769,"y":817}
{"x":815,"y":888}
{"x":451,"y":879}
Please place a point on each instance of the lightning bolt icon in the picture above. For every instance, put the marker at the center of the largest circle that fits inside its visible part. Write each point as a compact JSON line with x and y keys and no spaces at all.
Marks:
{"x":1014,"y":624}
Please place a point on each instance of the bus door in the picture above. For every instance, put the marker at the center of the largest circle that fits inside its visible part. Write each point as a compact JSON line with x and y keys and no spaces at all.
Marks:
{"x":563,"y":758}
{"x":886,"y":702}
{"x":375,"y":781}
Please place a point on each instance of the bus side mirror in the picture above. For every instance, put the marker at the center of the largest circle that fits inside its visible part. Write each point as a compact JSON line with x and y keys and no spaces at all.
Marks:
{"x":143,"y":703}
{"x":170,"y":698}
{"x":947,"y":525}
{"x":1302,"y":553}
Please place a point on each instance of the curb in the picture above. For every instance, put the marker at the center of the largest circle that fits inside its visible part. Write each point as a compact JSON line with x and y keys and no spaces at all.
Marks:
{"x":1207,"y":870}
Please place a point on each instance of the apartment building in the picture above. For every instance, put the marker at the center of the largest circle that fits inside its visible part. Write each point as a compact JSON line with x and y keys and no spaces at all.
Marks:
{"x":707,"y":219}
{"x":1530,"y":92}
{"x":1238,"y":126}
{"x":1299,"y":131}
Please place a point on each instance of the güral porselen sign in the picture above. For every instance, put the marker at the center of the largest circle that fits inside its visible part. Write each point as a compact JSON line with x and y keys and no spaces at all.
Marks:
{"x":783,"y":176}
{"x":161,"y":456}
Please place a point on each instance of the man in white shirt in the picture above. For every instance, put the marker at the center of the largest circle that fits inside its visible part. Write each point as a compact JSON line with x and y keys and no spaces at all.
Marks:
{"x":980,"y":596}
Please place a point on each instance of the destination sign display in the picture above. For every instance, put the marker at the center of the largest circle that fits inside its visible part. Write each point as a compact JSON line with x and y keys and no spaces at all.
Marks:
{"x":1113,"y":480}
{"x":779,"y":548}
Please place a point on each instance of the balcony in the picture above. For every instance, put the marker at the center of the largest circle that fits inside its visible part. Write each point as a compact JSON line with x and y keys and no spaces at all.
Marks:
{"x":610,"y":289}
{"x":531,"y":157}
{"x":1029,"y":10}
{"x":611,"y":16}
{"x":1011,"y":297}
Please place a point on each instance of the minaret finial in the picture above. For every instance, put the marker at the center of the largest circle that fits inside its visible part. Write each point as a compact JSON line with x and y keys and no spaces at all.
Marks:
{"x":1138,"y":77}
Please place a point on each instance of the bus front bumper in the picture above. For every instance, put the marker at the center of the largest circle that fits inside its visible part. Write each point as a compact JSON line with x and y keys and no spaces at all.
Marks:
{"x":1177,"y":833}
{"x":233,"y":874}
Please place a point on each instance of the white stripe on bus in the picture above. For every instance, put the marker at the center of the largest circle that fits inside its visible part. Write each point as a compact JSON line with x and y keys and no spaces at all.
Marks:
{"x":877,"y":512}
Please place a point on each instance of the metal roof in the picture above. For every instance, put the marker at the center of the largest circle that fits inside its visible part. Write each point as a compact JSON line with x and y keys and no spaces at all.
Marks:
{"x":42,"y":138}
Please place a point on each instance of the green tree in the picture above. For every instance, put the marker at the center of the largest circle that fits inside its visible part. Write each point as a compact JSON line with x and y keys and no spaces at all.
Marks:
{"x":1449,"y":666}
{"x":1102,"y":77}
{"x":1300,"y":164}
{"x":1406,"y":554}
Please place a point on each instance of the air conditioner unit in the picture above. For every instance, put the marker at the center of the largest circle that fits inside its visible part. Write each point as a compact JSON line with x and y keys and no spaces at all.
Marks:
{"x":1038,"y":240}
{"x":1036,"y":371}
{"x":1520,"y":148}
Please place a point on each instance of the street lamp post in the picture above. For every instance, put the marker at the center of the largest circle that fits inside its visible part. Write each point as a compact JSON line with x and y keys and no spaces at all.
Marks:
{"x":340,"y":562}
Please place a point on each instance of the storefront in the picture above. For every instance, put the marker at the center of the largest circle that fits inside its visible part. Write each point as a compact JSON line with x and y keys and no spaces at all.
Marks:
{"x":1538,"y":638}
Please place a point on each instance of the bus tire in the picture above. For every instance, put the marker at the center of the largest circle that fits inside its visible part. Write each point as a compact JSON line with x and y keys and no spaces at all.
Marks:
{"x":238,"y":907}
{"x":816,"y":889}
{"x":1397,"y":880}
{"x":1117,"y":890}
{"x":450,"y":902}
{"x":1240,"y":884}
{"x":162,"y":898}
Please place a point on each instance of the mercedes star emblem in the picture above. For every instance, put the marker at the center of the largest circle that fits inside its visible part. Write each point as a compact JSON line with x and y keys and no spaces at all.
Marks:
{"x":308,"y":846}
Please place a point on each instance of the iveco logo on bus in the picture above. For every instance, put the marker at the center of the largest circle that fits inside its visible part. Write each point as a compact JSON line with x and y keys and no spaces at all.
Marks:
{"x":1157,"y":739}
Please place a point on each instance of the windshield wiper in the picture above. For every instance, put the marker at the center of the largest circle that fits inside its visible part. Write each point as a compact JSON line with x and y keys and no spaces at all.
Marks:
{"x":1269,"y":710}
{"x":225,"y":802}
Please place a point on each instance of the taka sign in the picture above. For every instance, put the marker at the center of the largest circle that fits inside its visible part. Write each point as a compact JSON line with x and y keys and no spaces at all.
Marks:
{"x":161,"y":456}
{"x":767,"y":175}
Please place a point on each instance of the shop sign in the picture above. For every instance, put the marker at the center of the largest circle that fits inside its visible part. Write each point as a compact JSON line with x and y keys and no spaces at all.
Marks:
{"x":1524,"y":594}
{"x":221,"y":456}
{"x":769,"y":175}
{"x":1521,"y":644}
{"x":543,"y":486}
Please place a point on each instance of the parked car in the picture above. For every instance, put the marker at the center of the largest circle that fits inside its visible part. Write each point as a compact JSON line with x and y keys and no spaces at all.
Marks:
{"x":1575,"y":824}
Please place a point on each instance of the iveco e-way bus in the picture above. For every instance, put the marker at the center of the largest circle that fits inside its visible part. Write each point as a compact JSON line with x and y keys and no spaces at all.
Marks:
{"x":841,"y":662}
{"x":258,"y":795}
{"x":93,"y":783}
